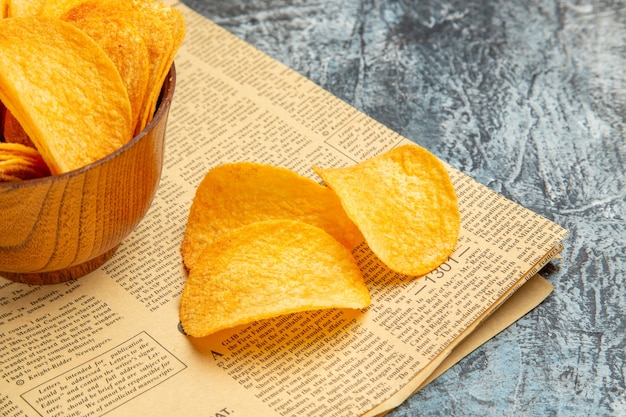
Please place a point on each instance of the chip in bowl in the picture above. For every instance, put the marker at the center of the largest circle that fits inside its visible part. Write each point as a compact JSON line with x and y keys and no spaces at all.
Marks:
{"x":21,"y":8}
{"x":13,"y":132}
{"x":20,"y":162}
{"x":64,"y":91}
{"x":161,"y":27}
{"x":121,"y":41}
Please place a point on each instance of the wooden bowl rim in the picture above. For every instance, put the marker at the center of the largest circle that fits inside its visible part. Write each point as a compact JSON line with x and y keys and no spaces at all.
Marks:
{"x":167,"y":93}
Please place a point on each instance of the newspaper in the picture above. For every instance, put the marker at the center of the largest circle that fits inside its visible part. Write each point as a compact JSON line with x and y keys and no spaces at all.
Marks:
{"x":109,"y":342}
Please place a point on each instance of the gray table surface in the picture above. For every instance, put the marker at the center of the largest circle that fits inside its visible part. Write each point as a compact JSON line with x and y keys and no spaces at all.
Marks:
{"x":527,"y":97}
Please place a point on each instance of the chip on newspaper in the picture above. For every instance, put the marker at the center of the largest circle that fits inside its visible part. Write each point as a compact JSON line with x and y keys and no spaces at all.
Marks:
{"x":405,"y":205}
{"x":257,"y":235}
{"x":80,"y":78}
{"x":236,"y":194}
{"x":266,"y":269}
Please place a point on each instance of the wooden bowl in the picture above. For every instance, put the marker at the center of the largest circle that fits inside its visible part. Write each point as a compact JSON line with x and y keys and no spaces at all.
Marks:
{"x":62,"y":227}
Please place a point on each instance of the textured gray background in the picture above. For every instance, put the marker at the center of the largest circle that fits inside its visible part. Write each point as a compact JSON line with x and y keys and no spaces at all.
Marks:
{"x":527,"y":97}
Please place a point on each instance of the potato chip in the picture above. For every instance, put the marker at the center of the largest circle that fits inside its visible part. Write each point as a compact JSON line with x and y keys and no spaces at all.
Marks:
{"x":20,"y":162}
{"x":4,"y":8}
{"x":127,"y":49}
{"x":404,"y":204}
{"x":174,"y":21}
{"x":23,"y":8}
{"x":13,"y":131}
{"x":161,"y":27}
{"x":65,"y":92}
{"x":266,"y":269}
{"x":236,"y":194}
{"x":56,"y":8}
{"x":8,"y":150}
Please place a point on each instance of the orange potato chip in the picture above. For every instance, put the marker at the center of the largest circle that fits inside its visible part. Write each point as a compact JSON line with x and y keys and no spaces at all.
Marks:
{"x":21,"y":162}
{"x":127,"y":49}
{"x":154,"y":25}
{"x":9,"y":149}
{"x":13,"y":131}
{"x":12,"y":171}
{"x":65,"y":92}
{"x":236,"y":194}
{"x":56,"y":8}
{"x":22,"y":8}
{"x":174,"y":21}
{"x":404,"y":204}
{"x":266,"y":269}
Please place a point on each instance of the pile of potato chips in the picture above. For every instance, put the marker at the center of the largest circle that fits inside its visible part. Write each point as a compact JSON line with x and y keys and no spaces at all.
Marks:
{"x":20,"y":162}
{"x":263,"y":241}
{"x":79,"y":79}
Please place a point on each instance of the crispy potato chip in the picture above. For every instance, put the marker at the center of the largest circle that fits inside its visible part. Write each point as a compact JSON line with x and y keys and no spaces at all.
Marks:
{"x":23,"y":8}
{"x":266,"y":269}
{"x":127,"y":49}
{"x":65,"y":92}
{"x":12,"y":171}
{"x":174,"y":21}
{"x":161,"y":27}
{"x":56,"y":8}
{"x":8,"y":178}
{"x":19,"y":149}
{"x":404,"y":204}
{"x":236,"y":194}
{"x":20,"y":162}
{"x":13,"y":131}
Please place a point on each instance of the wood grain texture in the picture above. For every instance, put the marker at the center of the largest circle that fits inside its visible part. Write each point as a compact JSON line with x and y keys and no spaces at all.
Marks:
{"x":527,"y":98}
{"x":61,"y":227}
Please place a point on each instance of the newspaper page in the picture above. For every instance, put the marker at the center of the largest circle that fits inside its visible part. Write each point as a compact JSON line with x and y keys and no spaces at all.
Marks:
{"x":109,"y":342}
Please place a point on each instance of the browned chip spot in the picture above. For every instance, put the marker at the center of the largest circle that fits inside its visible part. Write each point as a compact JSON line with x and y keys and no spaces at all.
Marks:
{"x":13,"y":131}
